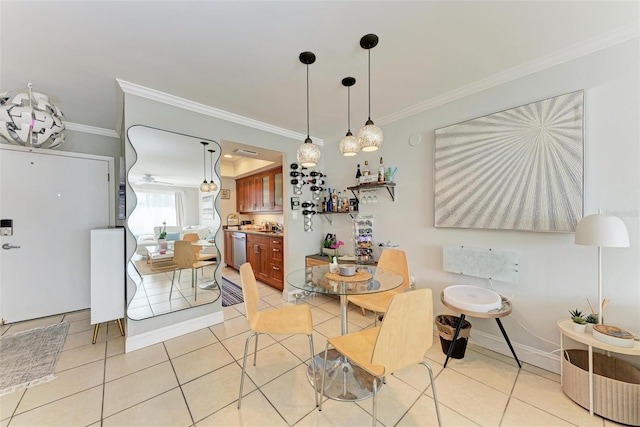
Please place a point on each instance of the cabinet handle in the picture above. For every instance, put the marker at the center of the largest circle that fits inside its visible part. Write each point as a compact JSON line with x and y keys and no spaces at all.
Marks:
{"x":255,"y":249}
{"x":275,"y":242}
{"x":276,"y":250}
{"x":276,"y":268}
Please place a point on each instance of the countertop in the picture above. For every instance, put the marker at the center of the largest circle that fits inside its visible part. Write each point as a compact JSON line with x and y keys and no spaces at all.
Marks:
{"x":262,"y":233}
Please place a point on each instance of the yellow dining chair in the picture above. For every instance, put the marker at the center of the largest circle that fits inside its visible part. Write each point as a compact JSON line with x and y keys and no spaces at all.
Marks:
{"x":392,"y":260}
{"x":287,"y":320}
{"x":184,"y":257}
{"x":403,"y":338}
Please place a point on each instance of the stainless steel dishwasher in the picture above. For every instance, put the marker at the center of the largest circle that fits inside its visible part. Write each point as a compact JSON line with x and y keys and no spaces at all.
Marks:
{"x":239,"y":249}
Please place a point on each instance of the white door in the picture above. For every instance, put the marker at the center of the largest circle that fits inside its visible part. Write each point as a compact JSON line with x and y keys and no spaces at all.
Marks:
{"x":54,"y":201}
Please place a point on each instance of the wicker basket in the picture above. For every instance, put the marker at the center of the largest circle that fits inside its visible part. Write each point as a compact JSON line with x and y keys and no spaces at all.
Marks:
{"x":616,"y":385}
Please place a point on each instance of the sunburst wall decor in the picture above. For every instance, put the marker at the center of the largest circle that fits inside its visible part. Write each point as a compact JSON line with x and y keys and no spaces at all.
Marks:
{"x":519,"y":169}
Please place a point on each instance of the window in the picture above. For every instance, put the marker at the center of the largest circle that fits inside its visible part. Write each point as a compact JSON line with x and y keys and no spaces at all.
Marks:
{"x":153,"y":208}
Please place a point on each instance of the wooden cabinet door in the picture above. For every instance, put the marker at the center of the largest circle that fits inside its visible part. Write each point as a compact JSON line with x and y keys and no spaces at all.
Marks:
{"x":276,"y":192}
{"x":259,"y":257}
{"x":228,"y":249}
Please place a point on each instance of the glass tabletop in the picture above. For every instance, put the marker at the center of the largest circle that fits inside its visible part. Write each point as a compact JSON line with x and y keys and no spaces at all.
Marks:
{"x":313,"y":279}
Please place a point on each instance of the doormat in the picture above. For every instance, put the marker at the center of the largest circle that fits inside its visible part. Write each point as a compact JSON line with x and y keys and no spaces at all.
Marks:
{"x":231,"y":293}
{"x":29,"y":358}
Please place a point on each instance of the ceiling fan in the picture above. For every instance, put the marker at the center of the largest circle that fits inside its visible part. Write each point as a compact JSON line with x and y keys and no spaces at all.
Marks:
{"x":150,"y":179}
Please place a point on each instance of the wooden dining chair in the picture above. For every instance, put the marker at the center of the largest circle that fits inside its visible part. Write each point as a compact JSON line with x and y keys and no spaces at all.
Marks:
{"x":193,"y":237}
{"x":401,"y":341}
{"x":184,"y":257}
{"x":393,"y":260}
{"x":287,"y":320}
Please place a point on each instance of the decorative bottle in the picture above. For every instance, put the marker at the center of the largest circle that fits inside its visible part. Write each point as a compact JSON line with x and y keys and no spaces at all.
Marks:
{"x":365,"y":170}
{"x":358,"y":173}
{"x":330,"y":202}
{"x":381,"y":171}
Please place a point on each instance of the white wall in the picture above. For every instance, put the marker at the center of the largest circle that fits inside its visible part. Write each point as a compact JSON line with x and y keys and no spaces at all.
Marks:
{"x":555,"y":274}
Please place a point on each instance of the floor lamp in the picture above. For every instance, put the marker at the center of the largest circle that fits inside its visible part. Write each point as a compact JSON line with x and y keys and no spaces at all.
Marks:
{"x":603,"y":231}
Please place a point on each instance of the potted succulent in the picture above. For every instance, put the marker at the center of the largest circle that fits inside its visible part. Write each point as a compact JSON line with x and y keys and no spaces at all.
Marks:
{"x":579,"y":322}
{"x":162,"y":237}
{"x":591,"y":319}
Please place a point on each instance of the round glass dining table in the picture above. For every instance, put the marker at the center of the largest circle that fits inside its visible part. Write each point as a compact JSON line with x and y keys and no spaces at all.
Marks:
{"x":343,"y":380}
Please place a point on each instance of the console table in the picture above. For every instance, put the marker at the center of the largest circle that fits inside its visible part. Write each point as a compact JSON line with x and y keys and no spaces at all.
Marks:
{"x":566,"y":330}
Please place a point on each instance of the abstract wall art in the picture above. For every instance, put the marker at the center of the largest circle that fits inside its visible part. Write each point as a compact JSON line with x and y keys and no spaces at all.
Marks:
{"x":518,"y":169}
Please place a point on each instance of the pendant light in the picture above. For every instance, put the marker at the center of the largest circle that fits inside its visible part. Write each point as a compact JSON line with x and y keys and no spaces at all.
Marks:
{"x":212,"y":185}
{"x":308,"y":153}
{"x":349,"y":144}
{"x":204,"y":187}
{"x":369,"y":136}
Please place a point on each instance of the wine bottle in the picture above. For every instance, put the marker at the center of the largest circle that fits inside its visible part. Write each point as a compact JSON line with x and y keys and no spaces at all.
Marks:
{"x":324,"y":205}
{"x":334,"y":201}
{"x":330,"y":202}
{"x":381,"y":171}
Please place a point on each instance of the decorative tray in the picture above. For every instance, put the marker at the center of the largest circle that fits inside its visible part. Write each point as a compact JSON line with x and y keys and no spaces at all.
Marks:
{"x":360,"y":276}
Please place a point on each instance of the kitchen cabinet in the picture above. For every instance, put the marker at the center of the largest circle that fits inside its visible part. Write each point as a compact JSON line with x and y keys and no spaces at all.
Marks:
{"x":228,"y":249}
{"x":261,"y":192}
{"x":259,"y":257}
{"x":265,"y":253}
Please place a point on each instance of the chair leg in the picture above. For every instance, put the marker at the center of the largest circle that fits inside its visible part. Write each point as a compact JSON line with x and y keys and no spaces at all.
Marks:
{"x":433,"y":388}
{"x":313,"y":365}
{"x":172,"y":280}
{"x":375,"y":401}
{"x":364,"y":314}
{"x":324,"y":372}
{"x":244,"y":366}
{"x":255,"y":350}
{"x":195,"y":286}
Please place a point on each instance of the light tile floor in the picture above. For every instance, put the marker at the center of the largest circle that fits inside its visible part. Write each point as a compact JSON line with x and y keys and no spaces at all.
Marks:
{"x":193,"y":380}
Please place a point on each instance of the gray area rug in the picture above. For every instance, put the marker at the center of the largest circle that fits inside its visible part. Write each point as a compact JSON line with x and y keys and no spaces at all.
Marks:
{"x":29,"y":358}
{"x":231,"y":293}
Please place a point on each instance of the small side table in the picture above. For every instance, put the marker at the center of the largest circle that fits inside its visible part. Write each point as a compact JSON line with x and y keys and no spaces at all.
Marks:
{"x":505,"y":310}
{"x":566,"y":330}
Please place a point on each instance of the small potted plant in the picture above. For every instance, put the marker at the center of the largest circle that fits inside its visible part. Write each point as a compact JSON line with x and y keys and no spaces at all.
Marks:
{"x":591,"y":319}
{"x":579,"y":322}
{"x":162,"y":237}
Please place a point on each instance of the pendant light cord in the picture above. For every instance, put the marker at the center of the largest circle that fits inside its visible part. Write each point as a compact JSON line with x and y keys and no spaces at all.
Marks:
{"x":369,"y":50}
{"x":349,"y":108}
{"x":308,"y":101}
{"x":204,"y":161}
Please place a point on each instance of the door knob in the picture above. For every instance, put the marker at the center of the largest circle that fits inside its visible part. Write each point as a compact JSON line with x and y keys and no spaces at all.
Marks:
{"x":8,"y":246}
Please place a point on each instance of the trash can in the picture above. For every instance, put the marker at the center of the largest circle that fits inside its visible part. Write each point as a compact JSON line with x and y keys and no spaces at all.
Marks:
{"x":447,"y":325}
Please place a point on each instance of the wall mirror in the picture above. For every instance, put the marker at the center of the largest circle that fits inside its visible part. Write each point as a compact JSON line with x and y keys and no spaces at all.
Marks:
{"x":166,"y":178}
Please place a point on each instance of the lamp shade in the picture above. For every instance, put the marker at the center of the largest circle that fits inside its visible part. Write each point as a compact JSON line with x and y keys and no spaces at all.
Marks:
{"x":308,"y":154}
{"x":602,"y":230}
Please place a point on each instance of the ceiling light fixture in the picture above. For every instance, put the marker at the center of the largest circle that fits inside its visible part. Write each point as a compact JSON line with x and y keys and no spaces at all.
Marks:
{"x":29,"y":119}
{"x":369,"y":136}
{"x":212,"y":185}
{"x":308,"y":153}
{"x":204,"y":187}
{"x":349,"y":145}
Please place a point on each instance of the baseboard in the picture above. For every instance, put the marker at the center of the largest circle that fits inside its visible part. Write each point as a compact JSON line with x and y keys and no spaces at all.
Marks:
{"x":533,"y":356}
{"x":146,"y":339}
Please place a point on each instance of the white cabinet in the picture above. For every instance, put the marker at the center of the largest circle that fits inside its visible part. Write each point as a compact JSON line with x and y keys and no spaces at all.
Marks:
{"x":107,"y":277}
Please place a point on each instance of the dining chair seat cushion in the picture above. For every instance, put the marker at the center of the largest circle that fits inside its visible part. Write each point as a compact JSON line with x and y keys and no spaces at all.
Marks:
{"x":377,"y":303}
{"x":286,"y":320}
{"x":359,"y":346}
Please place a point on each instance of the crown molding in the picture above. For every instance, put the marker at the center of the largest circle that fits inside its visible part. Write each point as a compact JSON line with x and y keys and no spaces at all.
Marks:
{"x":611,"y":38}
{"x":91,"y":129}
{"x":165,"y":98}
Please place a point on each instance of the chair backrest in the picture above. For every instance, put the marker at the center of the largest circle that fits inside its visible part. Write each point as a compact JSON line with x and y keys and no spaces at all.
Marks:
{"x":406,"y":332}
{"x":191,"y":237}
{"x":396,"y":260}
{"x":183,"y":254}
{"x":249,"y":292}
